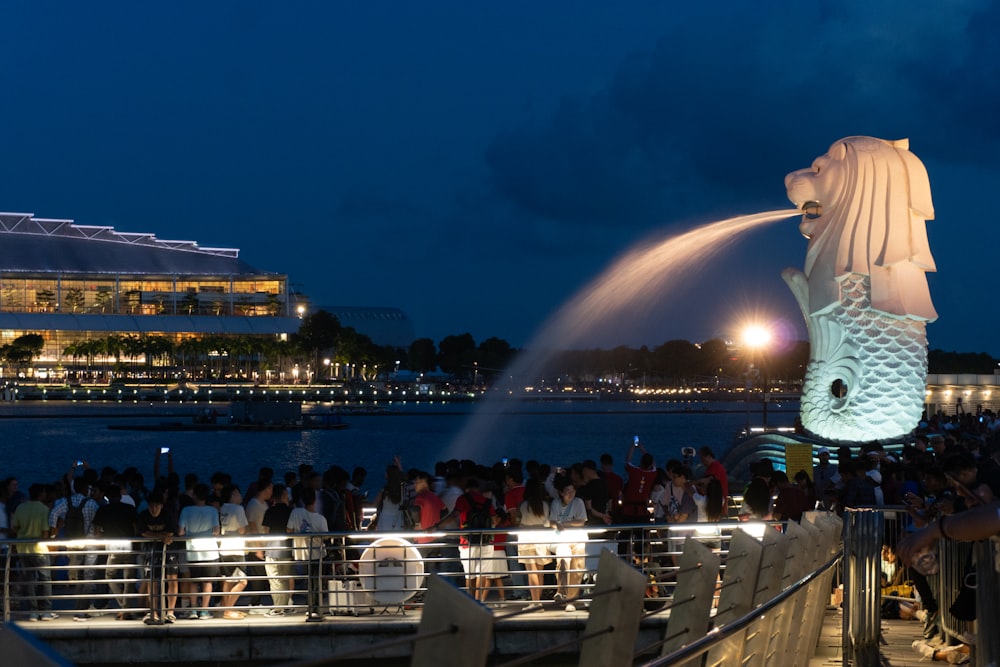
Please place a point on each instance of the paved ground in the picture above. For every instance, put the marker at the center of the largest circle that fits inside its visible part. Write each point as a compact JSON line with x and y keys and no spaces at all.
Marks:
{"x":896,"y":650}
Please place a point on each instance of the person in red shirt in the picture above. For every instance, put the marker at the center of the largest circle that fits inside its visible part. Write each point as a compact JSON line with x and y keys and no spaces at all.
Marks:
{"x":715,"y":469}
{"x":638,"y":484}
{"x":472,"y":555}
{"x":431,"y":507}
{"x":512,"y":498}
{"x":635,"y":501}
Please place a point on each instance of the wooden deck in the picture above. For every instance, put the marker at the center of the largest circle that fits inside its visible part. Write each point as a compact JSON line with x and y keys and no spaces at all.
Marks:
{"x":897,"y":643}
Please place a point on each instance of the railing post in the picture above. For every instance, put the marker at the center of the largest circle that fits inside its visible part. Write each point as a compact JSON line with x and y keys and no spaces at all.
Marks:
{"x":864,"y":530}
{"x":987,"y":603}
{"x":8,"y":556}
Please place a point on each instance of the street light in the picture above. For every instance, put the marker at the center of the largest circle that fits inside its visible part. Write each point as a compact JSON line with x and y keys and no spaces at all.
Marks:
{"x":756,"y":337}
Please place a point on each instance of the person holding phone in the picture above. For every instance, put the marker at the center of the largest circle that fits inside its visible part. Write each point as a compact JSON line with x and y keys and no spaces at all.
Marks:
{"x":638,"y":485}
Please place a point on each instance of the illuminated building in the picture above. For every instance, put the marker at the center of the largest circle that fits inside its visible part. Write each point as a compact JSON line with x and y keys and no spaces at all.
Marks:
{"x":73,"y":283}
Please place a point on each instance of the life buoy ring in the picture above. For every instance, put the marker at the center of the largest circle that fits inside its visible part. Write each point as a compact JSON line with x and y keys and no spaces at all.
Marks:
{"x":392,"y":570}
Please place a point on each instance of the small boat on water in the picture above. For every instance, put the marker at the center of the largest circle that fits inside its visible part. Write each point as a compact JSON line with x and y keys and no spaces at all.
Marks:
{"x":245,"y":416}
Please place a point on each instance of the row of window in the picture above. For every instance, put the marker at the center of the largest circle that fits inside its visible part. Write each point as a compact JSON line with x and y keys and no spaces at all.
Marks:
{"x":244,"y":298}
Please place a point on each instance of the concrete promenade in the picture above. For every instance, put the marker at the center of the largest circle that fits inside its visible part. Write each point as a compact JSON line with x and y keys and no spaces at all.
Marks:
{"x":260,"y":640}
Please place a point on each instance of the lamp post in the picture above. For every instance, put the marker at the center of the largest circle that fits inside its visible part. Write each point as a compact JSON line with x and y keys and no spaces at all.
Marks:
{"x":757,"y":337}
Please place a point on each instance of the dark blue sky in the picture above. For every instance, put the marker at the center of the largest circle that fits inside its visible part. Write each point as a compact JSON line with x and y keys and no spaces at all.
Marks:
{"x":476,"y":163}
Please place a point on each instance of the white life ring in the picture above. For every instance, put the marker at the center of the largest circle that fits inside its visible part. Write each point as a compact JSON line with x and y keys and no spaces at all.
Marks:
{"x":392,"y":570}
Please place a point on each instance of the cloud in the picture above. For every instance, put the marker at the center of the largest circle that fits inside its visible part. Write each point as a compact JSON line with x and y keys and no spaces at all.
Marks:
{"x":736,"y":96}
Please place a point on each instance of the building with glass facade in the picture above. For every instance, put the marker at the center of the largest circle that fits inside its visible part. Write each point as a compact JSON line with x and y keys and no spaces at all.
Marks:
{"x":72,"y":283}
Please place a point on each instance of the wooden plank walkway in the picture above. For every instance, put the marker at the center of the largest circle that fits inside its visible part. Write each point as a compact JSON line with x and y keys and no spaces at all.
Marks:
{"x":896,"y":650}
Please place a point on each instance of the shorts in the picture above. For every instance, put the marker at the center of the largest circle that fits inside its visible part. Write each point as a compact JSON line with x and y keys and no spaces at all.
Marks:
{"x":472,"y":558}
{"x":204,"y":569}
{"x":569,"y":552}
{"x":232,"y":567}
{"x":539,"y":554}
{"x":155,"y":561}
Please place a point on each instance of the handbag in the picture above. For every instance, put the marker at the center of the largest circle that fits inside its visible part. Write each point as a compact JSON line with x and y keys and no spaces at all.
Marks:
{"x":903,"y":590}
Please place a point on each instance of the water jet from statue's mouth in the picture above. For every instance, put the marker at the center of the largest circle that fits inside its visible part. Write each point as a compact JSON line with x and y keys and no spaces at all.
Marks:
{"x":812,"y":209}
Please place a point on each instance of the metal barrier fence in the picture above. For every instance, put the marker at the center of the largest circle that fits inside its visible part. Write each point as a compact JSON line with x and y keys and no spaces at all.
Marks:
{"x":701,"y":579}
{"x":962,"y":565}
{"x":325,"y":575}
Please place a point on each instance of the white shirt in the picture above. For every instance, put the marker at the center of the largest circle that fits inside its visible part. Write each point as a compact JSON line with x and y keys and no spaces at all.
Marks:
{"x":302,"y":521}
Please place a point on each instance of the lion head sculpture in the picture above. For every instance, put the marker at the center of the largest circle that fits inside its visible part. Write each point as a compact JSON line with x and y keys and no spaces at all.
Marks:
{"x":873,"y":198}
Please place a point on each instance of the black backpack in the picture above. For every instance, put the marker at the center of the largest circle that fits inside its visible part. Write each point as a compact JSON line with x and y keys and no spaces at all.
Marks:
{"x":478,"y":518}
{"x":74,"y":523}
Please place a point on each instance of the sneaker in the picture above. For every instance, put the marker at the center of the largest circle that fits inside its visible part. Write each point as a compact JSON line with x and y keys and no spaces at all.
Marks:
{"x":534,"y":606}
{"x":277,"y":611}
{"x":204,"y":615}
{"x":559,"y":597}
{"x":570,"y":607}
{"x":170,"y":618}
{"x":33,"y":617}
{"x":258,"y":610}
{"x":81,"y":618}
{"x":49,"y":617}
{"x":313,"y":616}
{"x":923,"y":648}
{"x":190,"y":616}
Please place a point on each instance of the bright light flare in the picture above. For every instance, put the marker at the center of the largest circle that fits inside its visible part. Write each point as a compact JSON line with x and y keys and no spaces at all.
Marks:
{"x":756,"y":336}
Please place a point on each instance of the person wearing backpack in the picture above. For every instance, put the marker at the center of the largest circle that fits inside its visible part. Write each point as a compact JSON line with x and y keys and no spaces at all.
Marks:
{"x":476,"y":513}
{"x":74,"y":518}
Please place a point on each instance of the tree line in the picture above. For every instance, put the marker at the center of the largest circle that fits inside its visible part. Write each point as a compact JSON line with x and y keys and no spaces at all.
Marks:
{"x":323,"y":349}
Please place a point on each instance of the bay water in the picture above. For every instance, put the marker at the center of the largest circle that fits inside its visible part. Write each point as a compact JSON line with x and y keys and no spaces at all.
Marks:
{"x":40,"y":441}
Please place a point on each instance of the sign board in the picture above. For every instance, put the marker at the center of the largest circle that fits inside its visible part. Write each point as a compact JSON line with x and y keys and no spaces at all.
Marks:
{"x":798,"y":457}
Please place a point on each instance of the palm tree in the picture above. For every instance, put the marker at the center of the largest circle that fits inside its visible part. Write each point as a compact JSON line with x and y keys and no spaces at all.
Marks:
{"x":156,"y":347}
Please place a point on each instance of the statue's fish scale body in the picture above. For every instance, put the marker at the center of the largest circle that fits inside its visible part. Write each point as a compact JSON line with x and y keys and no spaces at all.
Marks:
{"x":881,"y":361}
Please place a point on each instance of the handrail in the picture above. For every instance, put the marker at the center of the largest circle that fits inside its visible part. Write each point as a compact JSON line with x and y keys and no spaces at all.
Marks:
{"x":339,"y":560}
{"x":717,"y":635}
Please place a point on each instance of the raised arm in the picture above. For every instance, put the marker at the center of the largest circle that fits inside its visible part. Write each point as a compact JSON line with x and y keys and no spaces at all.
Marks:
{"x":978,"y":523}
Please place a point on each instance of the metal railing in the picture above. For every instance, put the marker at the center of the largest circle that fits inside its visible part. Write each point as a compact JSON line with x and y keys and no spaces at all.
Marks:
{"x":961,"y":564}
{"x":333,"y":573}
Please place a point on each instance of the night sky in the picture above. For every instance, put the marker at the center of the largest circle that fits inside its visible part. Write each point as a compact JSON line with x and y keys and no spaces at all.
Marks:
{"x":477,"y":163}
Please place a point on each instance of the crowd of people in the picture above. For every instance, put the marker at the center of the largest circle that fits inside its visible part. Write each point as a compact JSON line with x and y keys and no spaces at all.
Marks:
{"x":948,"y":483}
{"x":216,"y":547}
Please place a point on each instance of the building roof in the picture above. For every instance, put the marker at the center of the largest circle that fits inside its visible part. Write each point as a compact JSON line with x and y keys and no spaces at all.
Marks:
{"x":32,"y":245}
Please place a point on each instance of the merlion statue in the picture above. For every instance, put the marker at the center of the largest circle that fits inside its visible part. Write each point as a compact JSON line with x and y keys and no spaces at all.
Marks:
{"x":864,"y":290}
